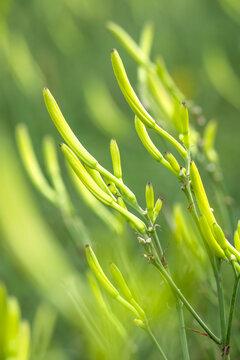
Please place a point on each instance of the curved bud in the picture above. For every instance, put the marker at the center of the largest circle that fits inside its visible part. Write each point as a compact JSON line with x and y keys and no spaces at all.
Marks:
{"x":150,"y":200}
{"x":99,"y":181}
{"x":134,"y":221}
{"x":147,"y":142}
{"x":130,"y":45}
{"x":121,"y":202}
{"x":184,"y":118}
{"x":209,"y":139}
{"x":116,"y":161}
{"x":209,"y":238}
{"x":119,"y":280}
{"x":157,"y":209}
{"x":31,"y":164}
{"x":219,"y":236}
{"x":200,"y":194}
{"x":237,"y":240}
{"x":84,"y":176}
{"x":65,"y":130}
{"x":172,"y":161}
{"x":98,"y":272}
{"x":128,"y":91}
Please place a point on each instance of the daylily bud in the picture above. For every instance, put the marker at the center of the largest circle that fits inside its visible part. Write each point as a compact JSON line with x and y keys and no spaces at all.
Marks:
{"x":172,"y":161}
{"x":65,"y":130}
{"x":219,"y":236}
{"x":84,"y":176}
{"x":31,"y":164}
{"x":209,"y":238}
{"x":200,"y":194}
{"x":150,"y":200}
{"x":97,"y":270}
{"x":147,"y":142}
{"x":237,"y":240}
{"x":131,"y":46}
{"x":184,"y":118}
{"x":119,"y":280}
{"x":157,"y":209}
{"x":128,"y":91}
{"x":115,"y":154}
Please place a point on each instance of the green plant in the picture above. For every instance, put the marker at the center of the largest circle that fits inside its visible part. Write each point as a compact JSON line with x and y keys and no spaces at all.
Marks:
{"x":205,"y":239}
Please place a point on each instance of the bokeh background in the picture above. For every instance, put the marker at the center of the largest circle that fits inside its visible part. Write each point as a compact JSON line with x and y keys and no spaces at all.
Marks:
{"x":64,"y":45}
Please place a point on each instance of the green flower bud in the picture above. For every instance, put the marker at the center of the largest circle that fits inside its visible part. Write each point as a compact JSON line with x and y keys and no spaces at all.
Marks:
{"x":209,"y":139}
{"x":128,"y":91}
{"x":130,"y":45}
{"x":65,"y":130}
{"x":147,"y":142}
{"x":150,"y":200}
{"x":237,"y":240}
{"x":84,"y":176}
{"x":119,"y":280}
{"x":184,"y":118}
{"x":209,"y":238}
{"x":115,"y":154}
{"x":219,"y":236}
{"x":98,"y":272}
{"x":31,"y":164}
{"x":172,"y":161}
{"x":157,"y":209}
{"x":200,"y":194}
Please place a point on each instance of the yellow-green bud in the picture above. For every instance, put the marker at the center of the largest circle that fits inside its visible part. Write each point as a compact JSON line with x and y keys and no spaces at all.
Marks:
{"x":150,"y":200}
{"x":31,"y":164}
{"x":119,"y":280}
{"x":209,"y":238}
{"x":237,"y":240}
{"x":172,"y":161}
{"x":134,"y":221}
{"x":238,"y":228}
{"x":84,"y":176}
{"x":147,"y":142}
{"x":209,"y":139}
{"x":128,"y":91}
{"x":116,"y":161}
{"x":99,"y":181}
{"x":184,"y":118}
{"x":65,"y":130}
{"x":98,"y":272}
{"x":200,"y":194}
{"x":157,"y":209}
{"x":219,"y":236}
{"x":121,"y":202}
{"x":131,"y":46}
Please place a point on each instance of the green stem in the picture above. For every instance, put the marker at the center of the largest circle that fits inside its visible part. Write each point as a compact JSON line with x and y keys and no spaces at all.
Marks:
{"x":179,"y":294}
{"x":230,"y":316}
{"x":219,"y":284}
{"x":156,"y":343}
{"x":183,"y":336}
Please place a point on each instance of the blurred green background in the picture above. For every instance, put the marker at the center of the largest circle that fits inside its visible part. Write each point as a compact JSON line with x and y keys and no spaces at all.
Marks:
{"x":63,"y":44}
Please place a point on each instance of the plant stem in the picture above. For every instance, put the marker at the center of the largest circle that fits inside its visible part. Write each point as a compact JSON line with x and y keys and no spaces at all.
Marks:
{"x":179,"y":294}
{"x":156,"y":343}
{"x":230,"y":316}
{"x":183,"y":336}
{"x":217,"y":273}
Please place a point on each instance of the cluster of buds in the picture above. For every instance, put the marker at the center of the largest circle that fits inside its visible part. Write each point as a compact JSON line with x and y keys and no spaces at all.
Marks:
{"x":91,"y":173}
{"x":126,"y":299}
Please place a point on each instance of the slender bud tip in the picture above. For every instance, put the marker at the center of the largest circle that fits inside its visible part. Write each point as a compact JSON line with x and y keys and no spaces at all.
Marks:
{"x":113,"y":51}
{"x":87,"y":246}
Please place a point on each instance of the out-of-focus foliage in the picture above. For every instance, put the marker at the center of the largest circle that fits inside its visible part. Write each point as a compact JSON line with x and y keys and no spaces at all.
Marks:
{"x":64,"y":45}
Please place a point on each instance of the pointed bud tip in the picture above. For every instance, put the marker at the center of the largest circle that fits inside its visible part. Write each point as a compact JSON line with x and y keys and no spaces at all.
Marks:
{"x":113,"y":50}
